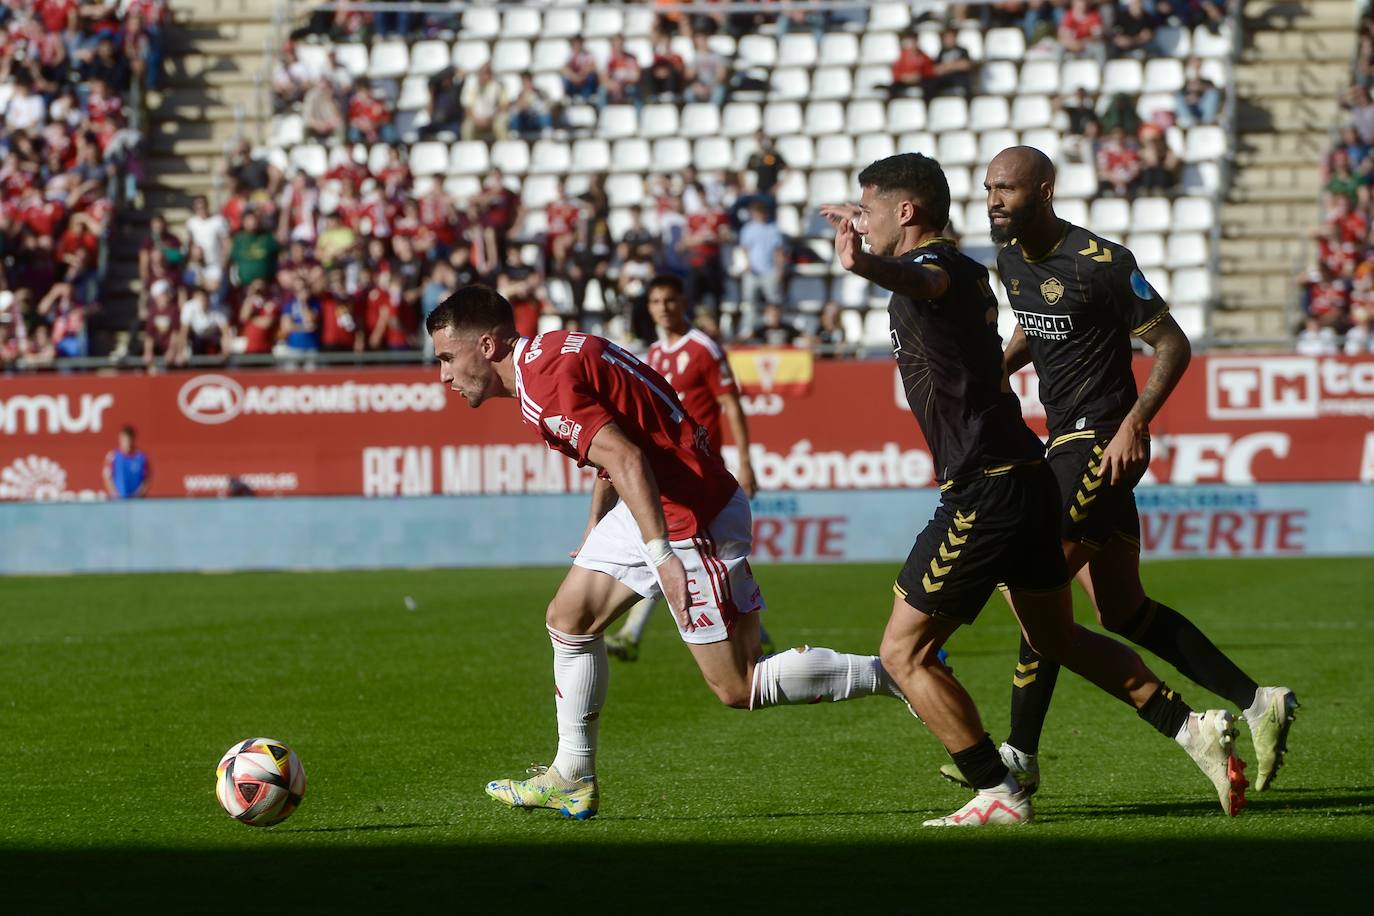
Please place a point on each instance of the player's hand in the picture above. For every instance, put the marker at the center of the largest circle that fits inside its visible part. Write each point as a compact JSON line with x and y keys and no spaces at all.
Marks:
{"x":673,"y":577}
{"x":840,"y":213}
{"x":746,"y":480}
{"x":847,"y":245}
{"x":1127,"y":454}
{"x":585,"y":534}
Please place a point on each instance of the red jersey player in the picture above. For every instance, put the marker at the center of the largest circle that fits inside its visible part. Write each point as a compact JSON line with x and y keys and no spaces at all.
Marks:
{"x":667,"y":518}
{"x":696,"y":367}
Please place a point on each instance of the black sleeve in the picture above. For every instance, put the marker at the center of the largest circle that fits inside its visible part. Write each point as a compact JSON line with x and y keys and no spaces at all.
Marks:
{"x":1132,"y":297}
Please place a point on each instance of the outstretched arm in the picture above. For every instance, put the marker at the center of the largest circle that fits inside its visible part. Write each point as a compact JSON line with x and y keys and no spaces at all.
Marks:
{"x":1127,"y":453}
{"x":906,"y":278}
{"x":634,"y":481}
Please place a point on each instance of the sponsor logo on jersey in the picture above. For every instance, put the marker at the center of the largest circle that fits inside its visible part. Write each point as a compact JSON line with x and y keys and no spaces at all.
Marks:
{"x":1052,"y":290}
{"x":1050,"y":327}
{"x":1140,"y":286}
{"x":564,"y":428}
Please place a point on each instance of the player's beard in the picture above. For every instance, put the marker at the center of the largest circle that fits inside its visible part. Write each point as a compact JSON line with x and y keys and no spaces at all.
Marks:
{"x":1017,"y":221}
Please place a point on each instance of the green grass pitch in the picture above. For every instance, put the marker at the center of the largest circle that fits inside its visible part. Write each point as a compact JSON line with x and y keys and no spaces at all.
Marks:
{"x":119,"y":693}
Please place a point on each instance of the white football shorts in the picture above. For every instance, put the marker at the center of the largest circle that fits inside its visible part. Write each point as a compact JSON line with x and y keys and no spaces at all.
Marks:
{"x":719,"y":579}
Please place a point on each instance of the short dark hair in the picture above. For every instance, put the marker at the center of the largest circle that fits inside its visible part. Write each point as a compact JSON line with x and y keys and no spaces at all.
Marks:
{"x":472,"y":308}
{"x":672,"y":281}
{"x":126,"y":430}
{"x":917,"y":174}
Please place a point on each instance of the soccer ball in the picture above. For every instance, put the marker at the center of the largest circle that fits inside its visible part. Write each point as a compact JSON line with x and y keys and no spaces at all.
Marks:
{"x":259,"y":782}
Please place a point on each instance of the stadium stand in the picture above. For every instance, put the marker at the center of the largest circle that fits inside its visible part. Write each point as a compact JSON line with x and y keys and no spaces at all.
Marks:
{"x":1024,"y":87}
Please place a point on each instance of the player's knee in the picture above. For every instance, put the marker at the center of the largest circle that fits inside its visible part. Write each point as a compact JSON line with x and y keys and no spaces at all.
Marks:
{"x":901,"y":659}
{"x":1051,"y":642}
{"x":735,"y":694}
{"x":1123,"y":620}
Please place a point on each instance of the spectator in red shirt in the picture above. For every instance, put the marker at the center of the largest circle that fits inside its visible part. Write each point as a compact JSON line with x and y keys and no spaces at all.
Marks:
{"x":369,"y":119}
{"x":373,"y":303}
{"x":162,"y":327}
{"x":621,"y":81}
{"x":579,"y":73}
{"x":912,"y":68}
{"x":341,"y":327}
{"x":563,"y":215}
{"x":1118,"y":164}
{"x":707,"y":229}
{"x":1081,"y":32}
{"x":666,"y":77}
{"x":258,"y":318}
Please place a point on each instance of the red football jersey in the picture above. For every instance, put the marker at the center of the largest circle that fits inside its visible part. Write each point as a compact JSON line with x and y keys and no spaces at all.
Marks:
{"x":570,"y":385}
{"x":697,"y":369}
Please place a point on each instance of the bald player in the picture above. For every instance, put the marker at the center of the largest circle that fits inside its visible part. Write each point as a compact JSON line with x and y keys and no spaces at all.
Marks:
{"x":1079,"y":299}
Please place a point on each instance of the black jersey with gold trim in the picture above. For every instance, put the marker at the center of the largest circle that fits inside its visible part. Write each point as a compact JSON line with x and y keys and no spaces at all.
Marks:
{"x":1079,"y":306}
{"x":950,"y":360}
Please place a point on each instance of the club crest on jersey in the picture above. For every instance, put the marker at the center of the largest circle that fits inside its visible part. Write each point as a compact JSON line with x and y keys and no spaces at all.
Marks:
{"x":564,"y":428}
{"x":1015,"y":287}
{"x":1052,"y":290}
{"x":1049,"y":327}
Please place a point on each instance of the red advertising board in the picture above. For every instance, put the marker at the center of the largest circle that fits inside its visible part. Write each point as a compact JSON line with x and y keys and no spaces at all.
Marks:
{"x":838,"y":424}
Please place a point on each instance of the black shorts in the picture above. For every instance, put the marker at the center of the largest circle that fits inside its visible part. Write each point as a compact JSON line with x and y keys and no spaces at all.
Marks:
{"x":1000,"y":528}
{"x":1093,"y":511}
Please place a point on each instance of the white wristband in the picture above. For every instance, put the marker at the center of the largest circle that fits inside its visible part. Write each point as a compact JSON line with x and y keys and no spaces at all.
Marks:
{"x":659,"y":551}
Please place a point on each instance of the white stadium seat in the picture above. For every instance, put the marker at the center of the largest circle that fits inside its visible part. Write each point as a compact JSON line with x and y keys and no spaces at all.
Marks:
{"x":1151,"y":102}
{"x":1192,"y":284}
{"x":1192,"y":319}
{"x":561,"y":22}
{"x":388,"y":60}
{"x":971,"y":40}
{"x":865,"y":117}
{"x":1187,"y":249}
{"x":1160,"y":280}
{"x":591,"y":155}
{"x":429,"y":158}
{"x":618,"y":121}
{"x":550,"y":157}
{"x":1109,"y":217}
{"x":851,"y":290}
{"x":905,"y":115}
{"x":793,"y":189}
{"x":1148,"y":248}
{"x":779,"y":118}
{"x":1163,"y":74}
{"x":287,"y":130}
{"x":852,"y":320}
{"x":877,"y":329}
{"x":957,"y":147}
{"x":550,"y":55}
{"x":310,"y":158}
{"x":1040,"y":77}
{"x":834,"y":152}
{"x":700,"y":119}
{"x":1122,"y":76}
{"x":992,"y":142}
{"x":1205,"y":44}
{"x":789,"y":221}
{"x":428,"y":57}
{"x":824,"y":118}
{"x":1004,"y":44}
{"x":797,"y":49}
{"x":1205,"y":144}
{"x":415,"y":92}
{"x":1080,"y":74}
{"x":1030,"y":112}
{"x":917,"y":141}
{"x":974,"y":225}
{"x":872,"y":147}
{"x":513,"y":156}
{"x":1073,"y":210}
{"x":713,"y":154}
{"x":999,"y":77}
{"x":797,"y":150}
{"x":792,"y":83}
{"x":658,"y":121}
{"x":1151,"y":214}
{"x":879,"y":48}
{"x":352,"y":58}
{"x":511,"y":55}
{"x":625,"y":190}
{"x":830,"y":185}
{"x":521,"y":23}
{"x":1076,"y":179}
{"x":603,"y":22}
{"x":988,"y":113}
{"x":889,"y":17}
{"x":960,"y":181}
{"x":839,"y":49}
{"x":1214,"y":70}
{"x":1173,"y":42}
{"x":832,"y":83}
{"x":1201,"y":178}
{"x":470,"y":54}
{"x":672,"y":154}
{"x":469,"y":157}
{"x":1044,"y":139}
{"x":757,"y":51}
{"x":871,"y":82}
{"x":946,"y":114}
{"x":631,"y":154}
{"x":481,"y":23}
{"x":1193,"y":214}
{"x":740,"y":119}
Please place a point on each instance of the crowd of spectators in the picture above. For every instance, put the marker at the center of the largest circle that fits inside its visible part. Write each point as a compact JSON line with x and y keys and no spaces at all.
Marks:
{"x":68,"y":156}
{"x":1337,"y":289}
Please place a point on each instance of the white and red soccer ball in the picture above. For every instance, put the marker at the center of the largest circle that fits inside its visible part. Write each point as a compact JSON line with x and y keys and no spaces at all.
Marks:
{"x":260,"y":782}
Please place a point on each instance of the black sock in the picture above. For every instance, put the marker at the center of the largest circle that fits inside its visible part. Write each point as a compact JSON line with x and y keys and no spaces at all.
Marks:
{"x":981,"y":765}
{"x":1166,"y":711}
{"x":1032,"y":688}
{"x":1174,"y":638}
